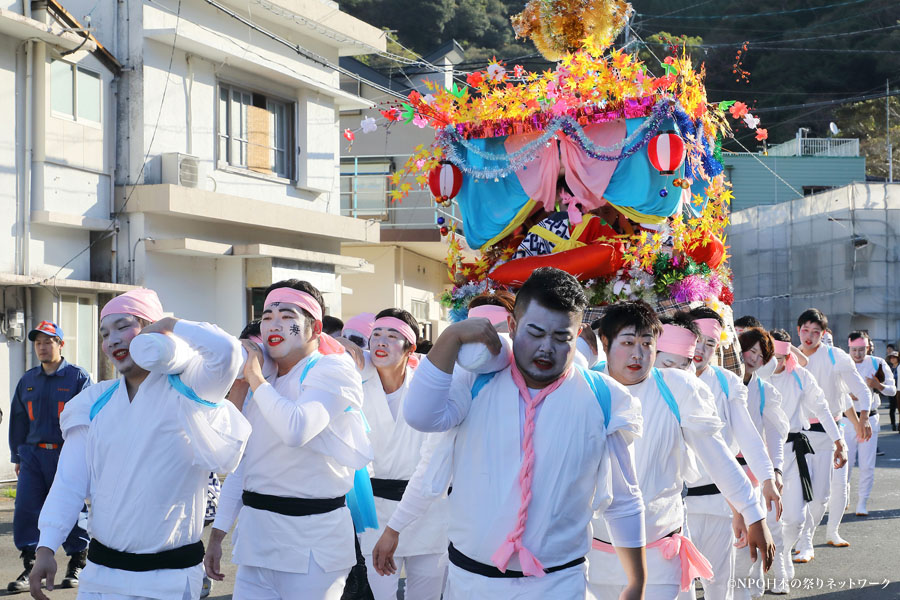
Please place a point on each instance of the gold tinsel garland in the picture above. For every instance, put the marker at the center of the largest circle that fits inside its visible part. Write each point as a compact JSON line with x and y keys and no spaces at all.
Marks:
{"x":559,"y":27}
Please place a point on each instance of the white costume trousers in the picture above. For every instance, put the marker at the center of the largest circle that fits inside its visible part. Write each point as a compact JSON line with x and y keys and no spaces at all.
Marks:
{"x":99,"y":596}
{"x":863,"y":453}
{"x":568,"y":583}
{"x":425,"y":577}
{"x":823,"y":473}
{"x":714,"y":537}
{"x":795,"y":508}
{"x":256,"y":583}
{"x":751,"y":572}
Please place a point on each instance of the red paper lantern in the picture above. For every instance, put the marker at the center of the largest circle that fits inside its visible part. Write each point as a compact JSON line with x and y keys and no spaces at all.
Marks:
{"x":666,"y":152}
{"x":445,"y":181}
{"x":713,"y":253}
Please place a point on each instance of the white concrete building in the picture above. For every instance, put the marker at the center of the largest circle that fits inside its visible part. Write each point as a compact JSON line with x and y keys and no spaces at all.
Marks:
{"x":836,"y":251}
{"x":190,"y":146}
{"x":57,"y":163}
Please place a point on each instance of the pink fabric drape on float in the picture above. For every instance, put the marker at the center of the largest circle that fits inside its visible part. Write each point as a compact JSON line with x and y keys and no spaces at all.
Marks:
{"x":586,"y":177}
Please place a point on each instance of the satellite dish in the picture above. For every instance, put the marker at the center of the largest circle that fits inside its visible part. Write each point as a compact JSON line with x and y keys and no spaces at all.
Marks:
{"x":833,"y":128}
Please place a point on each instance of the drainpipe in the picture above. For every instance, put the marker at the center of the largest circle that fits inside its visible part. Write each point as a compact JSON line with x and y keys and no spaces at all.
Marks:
{"x":190,"y":91}
{"x":39,"y":134}
{"x":25,"y":267}
{"x":29,"y":325}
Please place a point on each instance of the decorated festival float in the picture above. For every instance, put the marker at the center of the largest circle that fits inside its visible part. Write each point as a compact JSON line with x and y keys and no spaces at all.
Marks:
{"x":605,"y":167}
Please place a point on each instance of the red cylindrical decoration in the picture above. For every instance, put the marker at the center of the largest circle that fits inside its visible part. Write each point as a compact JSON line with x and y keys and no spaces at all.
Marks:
{"x":666,"y":152}
{"x":445,"y":180}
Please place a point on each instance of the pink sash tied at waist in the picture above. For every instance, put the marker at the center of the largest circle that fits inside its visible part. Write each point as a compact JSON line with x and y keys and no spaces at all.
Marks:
{"x":693,"y":563}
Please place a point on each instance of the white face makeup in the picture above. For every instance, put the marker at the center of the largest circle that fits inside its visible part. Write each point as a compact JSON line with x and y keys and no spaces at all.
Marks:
{"x":753,"y":358}
{"x":116,"y":333}
{"x":703,"y":354}
{"x":630,"y":355}
{"x":810,"y":335}
{"x":388,"y":347}
{"x":667,"y":360}
{"x":858,"y":353}
{"x":285,"y":329}
{"x":544,"y":343}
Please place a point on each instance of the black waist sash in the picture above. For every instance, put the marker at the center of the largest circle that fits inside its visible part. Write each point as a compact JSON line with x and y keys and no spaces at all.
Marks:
{"x":703,"y":490}
{"x":292,"y":507}
{"x":389,"y":489}
{"x":473,"y":566}
{"x":817,"y":427}
{"x":741,"y":460}
{"x":872,"y":413}
{"x":802,"y":447}
{"x":176,"y":558}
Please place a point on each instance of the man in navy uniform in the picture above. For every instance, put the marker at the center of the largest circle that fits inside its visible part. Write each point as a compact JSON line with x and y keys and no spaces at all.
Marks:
{"x":35,"y":441}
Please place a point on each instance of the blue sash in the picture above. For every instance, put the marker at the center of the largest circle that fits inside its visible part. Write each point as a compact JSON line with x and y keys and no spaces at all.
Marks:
{"x":666,"y":393}
{"x":360,"y":499}
{"x":593,"y":378}
{"x":723,"y":381}
{"x":762,"y":395}
{"x":174,"y":380}
{"x":797,"y":379}
{"x":831,"y":355}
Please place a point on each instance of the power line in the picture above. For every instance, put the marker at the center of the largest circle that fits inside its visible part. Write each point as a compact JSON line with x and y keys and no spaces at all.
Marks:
{"x":824,"y":103}
{"x":762,"y":14}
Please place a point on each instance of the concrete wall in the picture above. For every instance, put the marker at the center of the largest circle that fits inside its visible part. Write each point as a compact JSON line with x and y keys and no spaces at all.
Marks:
{"x":801,"y":254}
{"x":756,"y":185}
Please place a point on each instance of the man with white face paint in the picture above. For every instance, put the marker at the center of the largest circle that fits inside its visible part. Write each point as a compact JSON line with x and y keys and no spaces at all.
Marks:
{"x":712,"y":522}
{"x":422,"y":551}
{"x":680,"y":425}
{"x":802,"y":399}
{"x":147,"y":439}
{"x":769,"y":420}
{"x":836,"y":374}
{"x":295,"y":536}
{"x":536,"y":448}
{"x":864,"y":452}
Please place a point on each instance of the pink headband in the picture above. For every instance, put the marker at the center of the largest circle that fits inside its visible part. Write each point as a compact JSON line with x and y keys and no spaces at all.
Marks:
{"x":292,"y":296}
{"x":710,"y":328}
{"x":141,"y":303}
{"x":859,"y":342}
{"x":361,"y":323}
{"x":790,"y":361}
{"x":399,"y":326}
{"x":677,"y":340}
{"x":494,"y":314}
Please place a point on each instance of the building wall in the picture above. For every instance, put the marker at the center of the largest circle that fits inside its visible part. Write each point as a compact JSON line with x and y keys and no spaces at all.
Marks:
{"x":755,"y":185}
{"x":801,"y":254}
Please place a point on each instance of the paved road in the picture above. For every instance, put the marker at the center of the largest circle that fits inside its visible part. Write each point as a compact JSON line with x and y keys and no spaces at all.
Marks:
{"x":868,"y":570}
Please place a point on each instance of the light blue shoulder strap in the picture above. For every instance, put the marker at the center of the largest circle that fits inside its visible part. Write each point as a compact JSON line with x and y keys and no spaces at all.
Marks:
{"x":601,"y":391}
{"x":183,"y":389}
{"x":762,"y":395}
{"x":666,"y":393}
{"x":101,"y":401}
{"x":599,"y":367}
{"x":875,"y":364}
{"x":310,"y":363}
{"x":798,"y":380}
{"x":723,"y":381}
{"x":831,"y":355}
{"x":481,"y":381}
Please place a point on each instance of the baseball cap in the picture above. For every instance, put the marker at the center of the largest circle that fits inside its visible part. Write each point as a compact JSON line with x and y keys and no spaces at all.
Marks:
{"x":48,"y":327}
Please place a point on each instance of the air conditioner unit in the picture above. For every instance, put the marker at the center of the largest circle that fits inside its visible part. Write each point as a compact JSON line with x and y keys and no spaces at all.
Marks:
{"x":181,"y":169}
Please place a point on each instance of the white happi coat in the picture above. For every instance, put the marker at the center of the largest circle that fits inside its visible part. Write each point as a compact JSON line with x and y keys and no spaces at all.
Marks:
{"x":771,"y":422}
{"x":576,"y":457}
{"x":836,"y":379}
{"x":740,"y":435}
{"x":145,"y":464}
{"x":867,"y":368}
{"x":397,"y":449}
{"x":666,"y":456}
{"x":304,"y":445}
{"x":801,"y":405}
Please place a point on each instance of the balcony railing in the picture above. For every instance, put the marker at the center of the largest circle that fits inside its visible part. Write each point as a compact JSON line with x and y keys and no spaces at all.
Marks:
{"x":817,"y":147}
{"x":416,"y":211}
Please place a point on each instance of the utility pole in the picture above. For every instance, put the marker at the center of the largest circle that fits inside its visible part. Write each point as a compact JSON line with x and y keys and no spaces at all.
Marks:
{"x":887,"y":116}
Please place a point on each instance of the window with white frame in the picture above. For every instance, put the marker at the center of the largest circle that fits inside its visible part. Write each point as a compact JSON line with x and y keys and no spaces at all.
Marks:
{"x":255,"y":132}
{"x":77,"y":322}
{"x":75,"y":92}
